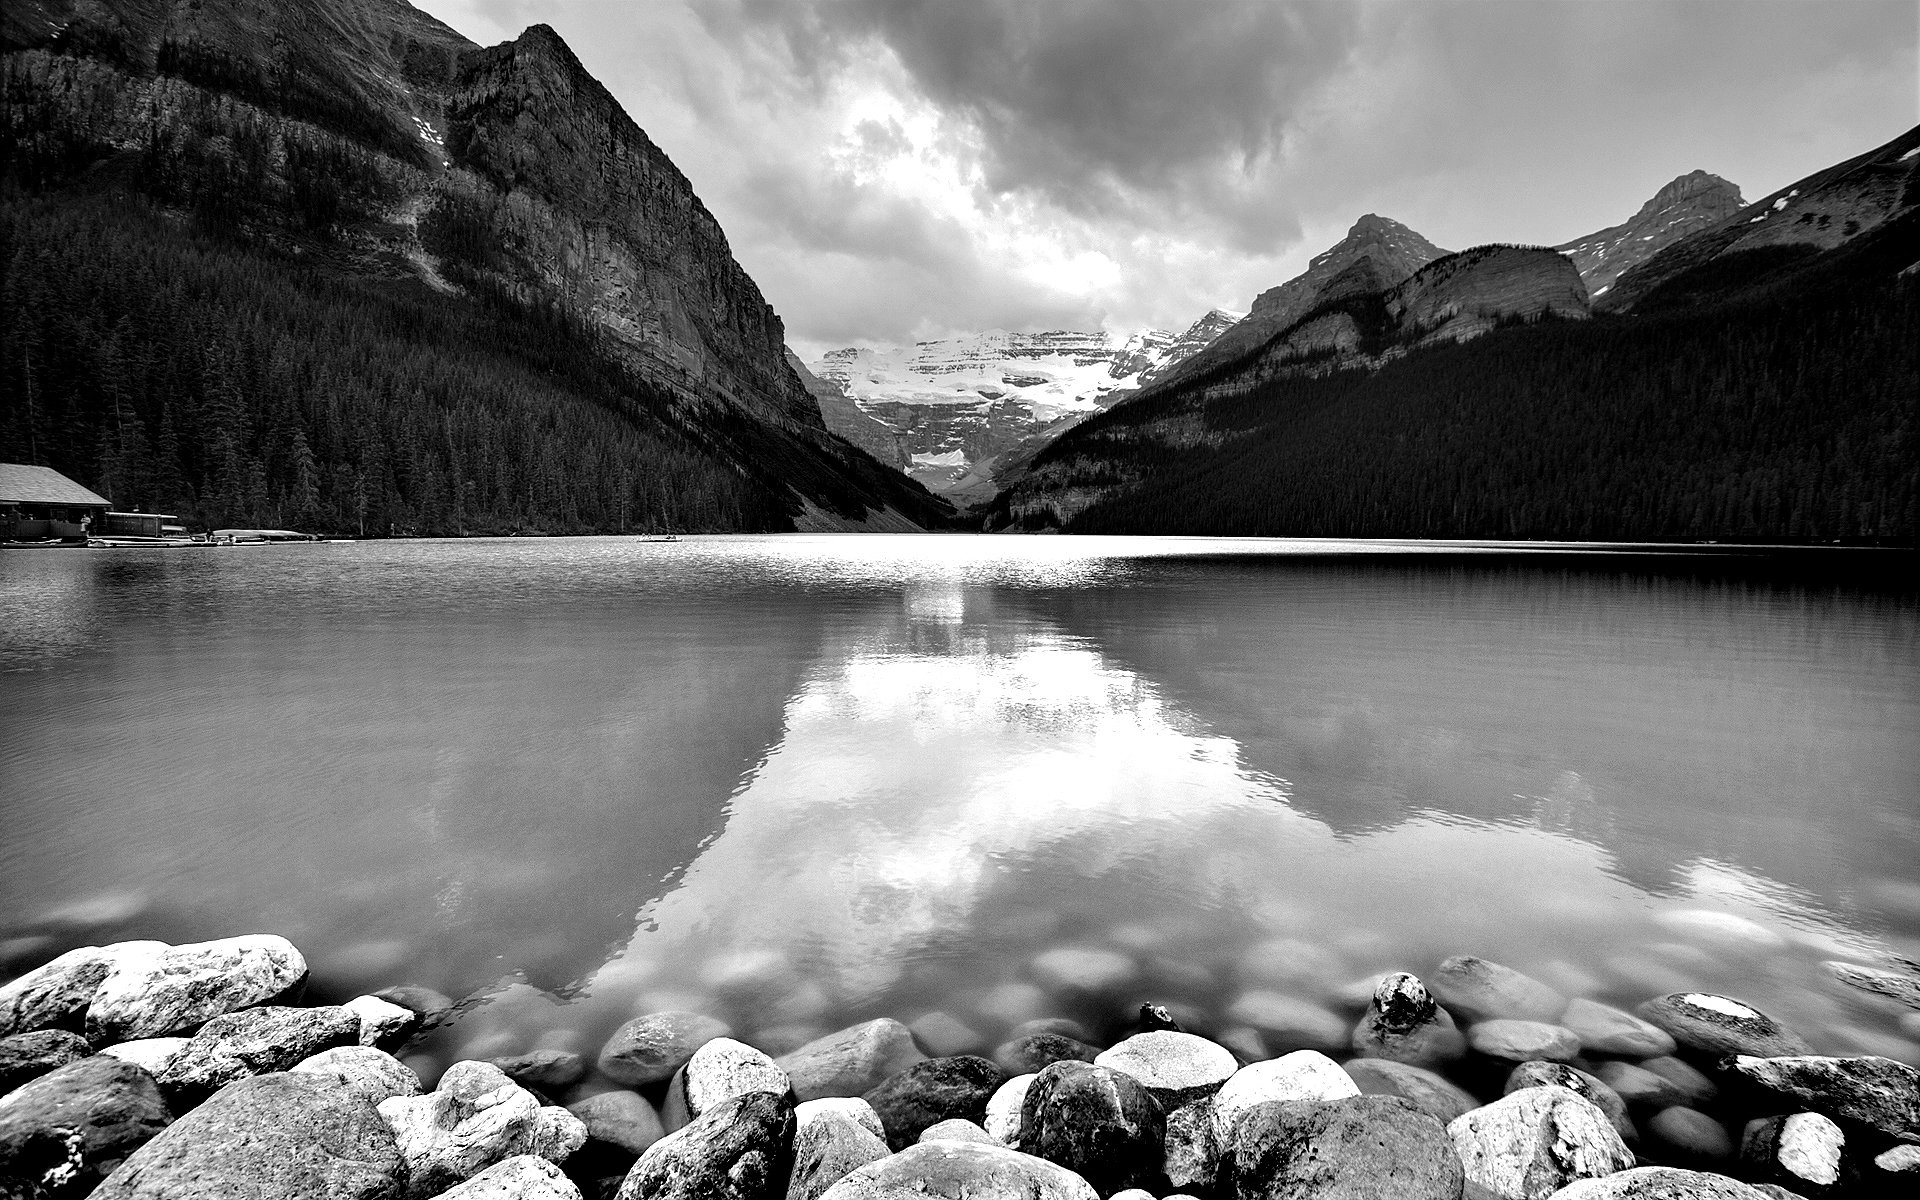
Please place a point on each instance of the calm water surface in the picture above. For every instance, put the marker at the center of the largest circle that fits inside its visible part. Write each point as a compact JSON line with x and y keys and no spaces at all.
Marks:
{"x":799,"y":781}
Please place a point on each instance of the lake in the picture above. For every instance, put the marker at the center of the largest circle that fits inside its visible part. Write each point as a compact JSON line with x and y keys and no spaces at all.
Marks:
{"x":800,"y":781}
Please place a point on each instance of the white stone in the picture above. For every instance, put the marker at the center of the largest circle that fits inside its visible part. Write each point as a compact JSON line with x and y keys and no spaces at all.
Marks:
{"x":1003,"y":1108}
{"x":1302,"y":1075}
{"x":1720,"y":1004}
{"x":1175,"y":1067}
{"x":372,"y":1073}
{"x":1810,"y":1147}
{"x":380,"y":1020}
{"x":476,"y":1118}
{"x":152,"y":1055}
{"x":168,"y":990}
{"x":954,"y":1169}
{"x":1290,"y":1022}
{"x":522,"y":1177}
{"x":851,"y":1107}
{"x":1900,"y":1160}
{"x":1083,"y":969}
{"x":1530,"y":1143}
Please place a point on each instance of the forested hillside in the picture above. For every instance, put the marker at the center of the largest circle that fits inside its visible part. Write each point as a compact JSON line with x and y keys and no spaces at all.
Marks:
{"x":1769,"y":395}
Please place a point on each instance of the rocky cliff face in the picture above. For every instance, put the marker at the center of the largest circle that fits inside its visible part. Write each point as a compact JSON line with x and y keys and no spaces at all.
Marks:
{"x":1694,"y":201}
{"x":1467,"y":294}
{"x":1395,"y":251}
{"x":846,"y":419}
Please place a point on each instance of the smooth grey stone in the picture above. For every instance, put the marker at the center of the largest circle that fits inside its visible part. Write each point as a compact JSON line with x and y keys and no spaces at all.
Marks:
{"x":956,"y":1130}
{"x":1805,"y":1151}
{"x":474,"y":1119}
{"x":1523,"y":1041}
{"x":961,"y":1171}
{"x":1288,"y":1022}
{"x":27,"y":1056}
{"x":522,"y":1177}
{"x":1177,"y":1068}
{"x":1064,"y":1026}
{"x":720,"y":1070}
{"x":943,"y":1035}
{"x":1719,"y":1025}
{"x":1101,"y":1123}
{"x":1403,"y":1023}
{"x":1901,"y":986}
{"x":1477,"y":989}
{"x":1525,"y":1145}
{"x":1085,"y":970}
{"x":368,"y":1070}
{"x":828,"y":1145}
{"x":1290,"y":962}
{"x":1302,"y":1075}
{"x":1694,"y":1087}
{"x":1639,"y":1087}
{"x":1876,"y":1092}
{"x":1002,"y":1118}
{"x":298,"y":1137}
{"x":1604,"y":1029}
{"x":71,"y":1127}
{"x":1429,"y":1091}
{"x":152,"y":1055}
{"x":1660,"y":1183}
{"x":548,"y":1070}
{"x":1355,"y":1149}
{"x":929,"y":1092}
{"x":1690,"y":1136}
{"x":429,"y":1004}
{"x":1552,"y":1074}
{"x":851,"y":1107}
{"x":1026,"y":1055}
{"x":620,"y":1118}
{"x":740,"y":1149}
{"x":254,"y":1041}
{"x":651,"y":1048}
{"x":851,"y":1061}
{"x":382,"y":1022}
{"x":177,"y":989}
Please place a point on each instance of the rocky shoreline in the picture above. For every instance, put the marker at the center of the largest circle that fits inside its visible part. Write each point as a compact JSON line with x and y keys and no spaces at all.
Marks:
{"x":147,"y":1070}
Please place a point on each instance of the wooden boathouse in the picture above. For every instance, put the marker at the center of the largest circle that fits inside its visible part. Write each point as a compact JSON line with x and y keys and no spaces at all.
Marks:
{"x":39,"y":504}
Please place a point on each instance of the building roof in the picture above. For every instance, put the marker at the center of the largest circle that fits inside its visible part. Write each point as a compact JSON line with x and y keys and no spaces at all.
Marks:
{"x":22,"y":484}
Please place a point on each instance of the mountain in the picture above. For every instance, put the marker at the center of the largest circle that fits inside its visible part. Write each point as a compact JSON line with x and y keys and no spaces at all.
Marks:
{"x":961,"y":404}
{"x":1394,"y":250}
{"x":1759,"y":385}
{"x":1685,"y":206}
{"x":449,"y":212}
{"x":848,"y":420}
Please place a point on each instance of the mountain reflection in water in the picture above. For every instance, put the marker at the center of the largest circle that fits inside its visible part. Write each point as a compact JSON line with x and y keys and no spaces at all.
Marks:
{"x":845,"y":777}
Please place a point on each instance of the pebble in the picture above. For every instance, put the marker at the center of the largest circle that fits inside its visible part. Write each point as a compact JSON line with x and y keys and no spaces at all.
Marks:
{"x":1690,"y":1136}
{"x":523,"y":1177}
{"x":959,"y":1169}
{"x":1523,"y":1041}
{"x":1098,"y":1122}
{"x":1603,"y":1029}
{"x":1802,"y":1150}
{"x":1002,"y":1116}
{"x":651,"y":1048}
{"x":1176,"y":1068}
{"x":942,"y":1035}
{"x":71,"y":1127}
{"x":1289,"y":1023}
{"x":1718,"y":1025}
{"x":1476,"y":989}
{"x":1088,"y":970}
{"x":850,"y":1061}
{"x":1026,"y":1055}
{"x":1354,"y":1149}
{"x":1429,"y":1091}
{"x":364,"y":1070}
{"x":830,"y":1143}
{"x":177,"y":989}
{"x":278,"y":1135}
{"x":253,"y":1041}
{"x":1876,"y":1092}
{"x":1302,"y":1075}
{"x":1526,"y":1145}
{"x":929,"y":1092}
{"x":27,"y":1056}
{"x":738,"y":1150}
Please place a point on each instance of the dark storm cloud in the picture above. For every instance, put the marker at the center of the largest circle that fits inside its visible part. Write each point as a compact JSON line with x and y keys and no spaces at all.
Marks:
{"x":1076,"y":101}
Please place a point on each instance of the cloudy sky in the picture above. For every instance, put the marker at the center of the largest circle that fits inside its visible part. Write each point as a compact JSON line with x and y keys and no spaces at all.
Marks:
{"x":898,"y":169}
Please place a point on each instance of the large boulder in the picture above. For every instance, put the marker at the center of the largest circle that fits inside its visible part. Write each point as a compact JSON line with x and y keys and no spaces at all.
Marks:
{"x":1404,"y":1024}
{"x":177,"y":989}
{"x":1604,"y":1029}
{"x":1552,"y":1074}
{"x":1876,"y":1092}
{"x":68,"y":1129}
{"x":830,"y":1143}
{"x":254,"y":1041}
{"x":56,"y":994}
{"x":1660,"y":1183}
{"x":1802,"y":1151}
{"x":1429,"y":1091}
{"x":1096,"y":1121}
{"x":852,"y":1061}
{"x":933,"y":1091}
{"x":1718,"y":1025}
{"x":651,"y":1048}
{"x":740,"y":1149}
{"x":475,"y":1118}
{"x":961,"y":1171}
{"x":1354,"y":1149}
{"x":720,"y":1070}
{"x":371,"y":1072}
{"x":1476,"y":989}
{"x":286,"y":1136}
{"x":27,"y":1056}
{"x":1528,"y":1145}
{"x":1176,"y":1067}
{"x":522,"y":1177}
{"x":1302,"y":1075}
